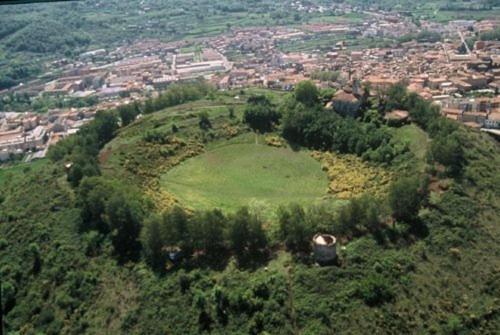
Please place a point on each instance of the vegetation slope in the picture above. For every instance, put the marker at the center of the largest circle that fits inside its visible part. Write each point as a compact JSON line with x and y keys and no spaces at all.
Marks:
{"x":83,"y":250}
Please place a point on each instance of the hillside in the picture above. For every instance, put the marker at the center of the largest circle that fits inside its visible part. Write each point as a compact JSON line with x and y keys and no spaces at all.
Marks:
{"x":67,"y":266}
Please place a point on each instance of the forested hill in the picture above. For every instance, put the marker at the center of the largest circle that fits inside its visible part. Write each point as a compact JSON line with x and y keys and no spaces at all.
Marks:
{"x":90,"y":238}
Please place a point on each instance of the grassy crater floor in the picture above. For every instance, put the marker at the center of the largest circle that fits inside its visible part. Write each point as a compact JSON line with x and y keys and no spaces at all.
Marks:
{"x":240,"y":174}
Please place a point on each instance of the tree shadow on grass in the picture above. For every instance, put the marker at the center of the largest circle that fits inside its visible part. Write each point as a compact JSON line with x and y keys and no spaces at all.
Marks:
{"x":294,"y":146}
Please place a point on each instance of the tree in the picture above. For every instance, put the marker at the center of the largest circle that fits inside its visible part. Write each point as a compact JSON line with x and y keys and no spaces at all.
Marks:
{"x":260,"y":114}
{"x":405,"y":197}
{"x":396,"y":97}
{"x":152,"y":242}
{"x":124,"y":215}
{"x":365,"y":102}
{"x":75,"y":175}
{"x":128,"y":113}
{"x":92,"y":196}
{"x":448,"y":152}
{"x":360,"y":215}
{"x":8,"y":295}
{"x":221,"y":304}
{"x":37,"y":261}
{"x":105,"y":125}
{"x":204,"y":121}
{"x":423,"y":112}
{"x":175,"y":230}
{"x":294,"y":229}
{"x":231,"y":112}
{"x":149,"y":106}
{"x":208,"y":231}
{"x":246,"y":236}
{"x":492,"y":35}
{"x":428,"y":36}
{"x":307,"y":93}
{"x":83,"y":166}
{"x":348,"y":219}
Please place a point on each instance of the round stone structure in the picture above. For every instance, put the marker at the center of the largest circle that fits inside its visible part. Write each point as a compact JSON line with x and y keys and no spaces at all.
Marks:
{"x":324,"y":248}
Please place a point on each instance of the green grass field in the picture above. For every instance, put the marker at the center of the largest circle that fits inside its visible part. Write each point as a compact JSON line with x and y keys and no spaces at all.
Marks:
{"x":244,"y":173}
{"x":418,"y":143}
{"x":416,"y":138}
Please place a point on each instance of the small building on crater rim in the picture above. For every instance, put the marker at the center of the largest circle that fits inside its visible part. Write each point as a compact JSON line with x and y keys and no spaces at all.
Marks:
{"x":324,"y":248}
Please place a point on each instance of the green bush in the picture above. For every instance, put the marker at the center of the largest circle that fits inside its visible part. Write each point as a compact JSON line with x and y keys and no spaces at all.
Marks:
{"x":375,"y":290}
{"x":405,"y":198}
{"x":3,"y":243}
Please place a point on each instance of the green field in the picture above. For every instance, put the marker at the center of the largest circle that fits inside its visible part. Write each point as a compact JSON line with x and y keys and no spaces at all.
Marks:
{"x":239,"y":174}
{"x":416,"y":138}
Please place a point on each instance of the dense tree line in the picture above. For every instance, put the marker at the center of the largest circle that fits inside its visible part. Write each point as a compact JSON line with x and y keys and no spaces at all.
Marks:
{"x":175,"y":95}
{"x":178,"y":94}
{"x":210,"y":236}
{"x":19,"y":102}
{"x":82,"y":149}
{"x":109,"y":208}
{"x":305,"y":122}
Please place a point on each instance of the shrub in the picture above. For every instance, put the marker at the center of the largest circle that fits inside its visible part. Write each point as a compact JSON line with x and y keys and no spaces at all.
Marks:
{"x":92,"y":242}
{"x":46,"y":316}
{"x":374,"y":290}
{"x":3,"y":243}
{"x":155,"y":137}
{"x":360,"y":215}
{"x":204,"y":121}
{"x":447,"y":150}
{"x":405,"y":197}
{"x":8,"y":295}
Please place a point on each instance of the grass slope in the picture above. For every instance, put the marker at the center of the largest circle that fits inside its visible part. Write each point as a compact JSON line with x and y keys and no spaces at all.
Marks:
{"x":239,"y":174}
{"x":416,"y":138}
